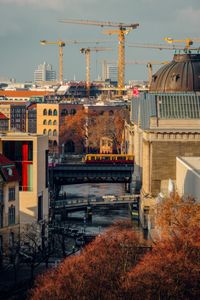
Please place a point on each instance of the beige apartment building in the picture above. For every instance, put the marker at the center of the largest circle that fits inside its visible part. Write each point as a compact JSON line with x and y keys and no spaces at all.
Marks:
{"x":29,"y":152}
{"x":9,"y":205}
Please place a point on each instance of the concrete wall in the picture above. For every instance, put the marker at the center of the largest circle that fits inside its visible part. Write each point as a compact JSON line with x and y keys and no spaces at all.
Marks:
{"x":159,"y":161}
{"x":187,"y":179}
{"x":29,"y":199}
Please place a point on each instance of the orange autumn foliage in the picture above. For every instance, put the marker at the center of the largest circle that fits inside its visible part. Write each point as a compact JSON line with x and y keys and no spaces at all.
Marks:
{"x":177,"y":215}
{"x":97,"y":273}
{"x":73,"y":128}
{"x":170,"y":271}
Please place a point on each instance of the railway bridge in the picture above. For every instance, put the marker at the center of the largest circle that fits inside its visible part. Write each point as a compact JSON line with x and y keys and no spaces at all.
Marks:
{"x":64,"y":174}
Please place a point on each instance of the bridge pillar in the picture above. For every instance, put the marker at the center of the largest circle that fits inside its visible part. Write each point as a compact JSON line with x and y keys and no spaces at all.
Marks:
{"x":127,"y":187}
{"x":64,"y":214}
{"x":134,"y":209}
{"x":57,"y":189}
{"x":89,"y":213}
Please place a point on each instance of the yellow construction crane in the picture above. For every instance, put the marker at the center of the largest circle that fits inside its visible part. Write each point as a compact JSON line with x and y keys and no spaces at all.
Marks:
{"x":188,"y":42}
{"x":161,"y":46}
{"x":60,"y":44}
{"x":122,"y":30}
{"x":87,"y":52}
{"x":155,"y":46}
{"x":149,"y":65}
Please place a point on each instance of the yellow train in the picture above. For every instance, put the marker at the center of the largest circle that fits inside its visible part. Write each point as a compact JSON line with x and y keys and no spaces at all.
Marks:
{"x":108,"y":159}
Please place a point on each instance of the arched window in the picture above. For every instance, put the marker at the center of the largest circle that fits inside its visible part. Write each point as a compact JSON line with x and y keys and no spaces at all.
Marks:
{"x":49,"y":122}
{"x":44,"y":131}
{"x":54,"y":122}
{"x":50,"y":112}
{"x":55,"y":132}
{"x":69,"y":147}
{"x":45,"y":112}
{"x":50,"y":132}
{"x":55,"y":144}
{"x":55,"y":112}
{"x":45,"y":122}
{"x":64,"y":112}
{"x":72,"y":111}
{"x":111,"y":113}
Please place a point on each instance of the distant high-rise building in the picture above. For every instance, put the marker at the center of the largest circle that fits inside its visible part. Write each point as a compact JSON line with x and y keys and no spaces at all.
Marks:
{"x":110,"y":71}
{"x":44,"y":72}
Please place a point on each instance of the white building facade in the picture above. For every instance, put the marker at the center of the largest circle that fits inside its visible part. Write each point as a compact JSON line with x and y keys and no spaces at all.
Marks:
{"x":44,"y":72}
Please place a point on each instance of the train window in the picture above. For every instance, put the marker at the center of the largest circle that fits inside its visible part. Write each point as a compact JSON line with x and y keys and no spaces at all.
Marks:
{"x":106,"y":158}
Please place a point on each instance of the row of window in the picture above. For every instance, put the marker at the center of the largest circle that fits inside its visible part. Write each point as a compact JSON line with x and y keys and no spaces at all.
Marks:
{"x":49,"y":122}
{"x":50,"y":112}
{"x":54,"y":112}
{"x":50,"y":132}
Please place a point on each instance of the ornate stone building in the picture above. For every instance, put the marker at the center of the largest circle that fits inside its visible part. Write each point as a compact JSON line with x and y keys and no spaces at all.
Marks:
{"x":165,"y":123}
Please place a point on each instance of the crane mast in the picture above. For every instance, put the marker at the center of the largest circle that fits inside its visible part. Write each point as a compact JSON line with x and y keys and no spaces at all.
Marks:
{"x":60,"y":44}
{"x":87,"y":52}
{"x":122,"y":31}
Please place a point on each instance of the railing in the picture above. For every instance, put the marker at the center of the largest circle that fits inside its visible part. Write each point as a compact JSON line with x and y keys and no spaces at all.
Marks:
{"x":104,"y":200}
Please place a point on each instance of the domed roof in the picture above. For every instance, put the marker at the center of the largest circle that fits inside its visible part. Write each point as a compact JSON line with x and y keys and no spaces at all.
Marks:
{"x":182,"y":74}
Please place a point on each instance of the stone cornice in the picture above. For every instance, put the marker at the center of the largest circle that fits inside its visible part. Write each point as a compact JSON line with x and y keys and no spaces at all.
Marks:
{"x":172,"y":135}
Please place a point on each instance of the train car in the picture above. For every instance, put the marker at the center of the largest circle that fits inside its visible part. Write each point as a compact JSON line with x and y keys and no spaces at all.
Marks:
{"x":108,"y":159}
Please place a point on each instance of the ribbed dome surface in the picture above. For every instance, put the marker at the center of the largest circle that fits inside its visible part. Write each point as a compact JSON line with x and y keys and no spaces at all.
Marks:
{"x":182,"y":74}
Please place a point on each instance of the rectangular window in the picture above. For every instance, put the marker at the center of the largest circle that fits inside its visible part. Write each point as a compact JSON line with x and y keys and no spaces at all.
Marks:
{"x":46,"y":168}
{"x":1,"y":245}
{"x":1,"y":196}
{"x":11,"y":215}
{"x":11,"y":194}
{"x":40,"y":207}
{"x":1,"y":216}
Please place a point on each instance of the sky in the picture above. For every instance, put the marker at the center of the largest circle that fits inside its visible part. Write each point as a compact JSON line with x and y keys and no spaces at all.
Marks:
{"x":23,"y":23}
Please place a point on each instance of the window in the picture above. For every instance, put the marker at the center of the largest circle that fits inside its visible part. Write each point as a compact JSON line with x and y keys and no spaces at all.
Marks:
{"x":45,"y":112}
{"x":1,"y":216}
{"x":49,"y":122}
{"x":64,"y":112}
{"x":11,"y":239}
{"x":45,"y":122}
{"x":54,"y":122}
{"x":55,"y":112}
{"x":50,"y":132}
{"x":11,"y":215}
{"x":111,"y":113}
{"x":1,"y":196}
{"x":1,"y":245}
{"x":40,"y":208}
{"x":73,"y":111}
{"x":50,"y":112}
{"x":11,"y":194}
{"x":55,"y":144}
{"x":44,"y":131}
{"x":55,"y":132}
